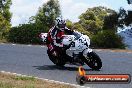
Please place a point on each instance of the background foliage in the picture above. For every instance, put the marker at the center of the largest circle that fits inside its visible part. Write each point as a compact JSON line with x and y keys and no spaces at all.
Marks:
{"x":99,"y":23}
{"x":107,"y":39}
{"x":41,"y":22}
{"x":25,"y":34}
{"x":5,"y":17}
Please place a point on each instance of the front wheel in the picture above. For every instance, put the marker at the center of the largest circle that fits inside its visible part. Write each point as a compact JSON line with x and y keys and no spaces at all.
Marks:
{"x":93,"y":61}
{"x":56,"y":60}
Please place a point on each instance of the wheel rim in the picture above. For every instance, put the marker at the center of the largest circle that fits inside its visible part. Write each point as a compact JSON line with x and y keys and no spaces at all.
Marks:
{"x":91,"y":61}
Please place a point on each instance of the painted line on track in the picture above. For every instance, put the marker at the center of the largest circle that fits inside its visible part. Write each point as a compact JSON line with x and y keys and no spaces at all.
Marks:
{"x":13,"y":44}
{"x":23,"y":45}
{"x":112,"y":51}
{"x":98,"y":50}
{"x":29,"y":45}
{"x":129,"y":52}
{"x":51,"y":81}
{"x":43,"y":46}
{"x":2,"y":43}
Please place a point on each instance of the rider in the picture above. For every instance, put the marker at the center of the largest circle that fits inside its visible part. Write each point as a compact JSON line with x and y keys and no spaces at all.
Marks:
{"x":55,"y":36}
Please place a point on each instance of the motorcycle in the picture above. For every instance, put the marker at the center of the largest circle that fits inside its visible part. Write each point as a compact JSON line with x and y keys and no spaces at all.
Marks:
{"x":78,"y":52}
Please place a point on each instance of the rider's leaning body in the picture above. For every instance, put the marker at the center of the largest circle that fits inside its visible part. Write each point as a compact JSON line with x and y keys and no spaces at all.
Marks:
{"x":55,"y":35}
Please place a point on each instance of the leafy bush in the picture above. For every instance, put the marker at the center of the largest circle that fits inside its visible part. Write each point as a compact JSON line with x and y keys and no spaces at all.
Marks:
{"x":26,"y":34}
{"x":107,"y":39}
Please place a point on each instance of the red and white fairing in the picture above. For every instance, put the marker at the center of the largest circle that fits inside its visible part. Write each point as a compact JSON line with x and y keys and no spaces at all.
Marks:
{"x":43,"y":36}
{"x":80,"y":42}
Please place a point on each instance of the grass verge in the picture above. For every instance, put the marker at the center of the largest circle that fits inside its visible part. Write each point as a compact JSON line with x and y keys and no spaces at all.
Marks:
{"x":3,"y":40}
{"x":13,"y":81}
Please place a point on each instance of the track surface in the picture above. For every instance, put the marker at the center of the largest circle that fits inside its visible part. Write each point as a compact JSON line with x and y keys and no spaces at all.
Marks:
{"x":33,"y":60}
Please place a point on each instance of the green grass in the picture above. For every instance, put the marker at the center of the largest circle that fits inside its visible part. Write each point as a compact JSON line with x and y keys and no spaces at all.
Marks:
{"x":23,"y":78}
{"x":6,"y":85}
{"x":13,"y":81}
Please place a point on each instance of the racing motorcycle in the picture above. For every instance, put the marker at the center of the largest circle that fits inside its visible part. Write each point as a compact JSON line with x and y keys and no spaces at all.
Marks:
{"x":78,"y":52}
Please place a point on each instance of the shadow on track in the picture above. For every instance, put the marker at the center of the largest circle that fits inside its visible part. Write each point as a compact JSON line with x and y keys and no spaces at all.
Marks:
{"x":54,"y":67}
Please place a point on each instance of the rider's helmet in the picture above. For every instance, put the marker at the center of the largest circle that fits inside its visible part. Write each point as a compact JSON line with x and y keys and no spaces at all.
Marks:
{"x":60,"y":24}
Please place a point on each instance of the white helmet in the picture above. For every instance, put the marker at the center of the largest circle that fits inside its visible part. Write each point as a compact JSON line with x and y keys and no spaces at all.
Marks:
{"x":60,"y":24}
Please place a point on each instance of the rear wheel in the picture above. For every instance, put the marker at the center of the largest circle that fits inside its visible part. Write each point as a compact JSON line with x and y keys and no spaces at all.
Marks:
{"x":56,"y":59}
{"x":93,"y":61}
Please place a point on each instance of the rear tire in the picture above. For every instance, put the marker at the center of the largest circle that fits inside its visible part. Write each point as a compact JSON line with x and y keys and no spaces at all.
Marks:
{"x":93,"y":61}
{"x":56,"y":60}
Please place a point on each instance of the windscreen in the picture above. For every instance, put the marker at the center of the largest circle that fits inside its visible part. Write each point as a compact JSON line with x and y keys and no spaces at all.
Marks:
{"x":77,"y":35}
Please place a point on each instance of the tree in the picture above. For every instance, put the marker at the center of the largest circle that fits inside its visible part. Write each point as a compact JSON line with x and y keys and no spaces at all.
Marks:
{"x":111,"y":22}
{"x":4,"y":24}
{"x":125,"y":17}
{"x":4,"y":9}
{"x":102,"y":24}
{"x":5,"y":16}
{"x":122,"y":16}
{"x":93,"y":19}
{"x":129,"y":1}
{"x":69,"y":24}
{"x":48,"y":13}
{"x":129,"y":18}
{"x":79,"y":27}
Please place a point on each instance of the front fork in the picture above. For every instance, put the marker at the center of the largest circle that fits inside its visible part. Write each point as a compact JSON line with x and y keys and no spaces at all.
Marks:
{"x":86,"y":51}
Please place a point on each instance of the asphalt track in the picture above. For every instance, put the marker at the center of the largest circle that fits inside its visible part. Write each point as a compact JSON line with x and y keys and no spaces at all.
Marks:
{"x":33,"y":61}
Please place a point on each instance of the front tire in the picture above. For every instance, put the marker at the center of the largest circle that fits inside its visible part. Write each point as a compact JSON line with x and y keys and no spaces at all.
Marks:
{"x":56,"y":60}
{"x":93,"y":61}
